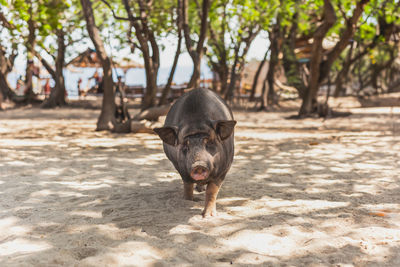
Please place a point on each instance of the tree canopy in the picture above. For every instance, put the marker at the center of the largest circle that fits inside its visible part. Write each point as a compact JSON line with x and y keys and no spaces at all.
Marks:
{"x":313,"y":42}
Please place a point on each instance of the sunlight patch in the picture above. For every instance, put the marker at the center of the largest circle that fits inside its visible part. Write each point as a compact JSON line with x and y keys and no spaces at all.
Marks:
{"x":8,"y":227}
{"x":279,"y":184}
{"x":22,"y":143}
{"x":327,"y":181}
{"x":22,"y":246}
{"x":42,"y":193}
{"x":300,"y":205}
{"x":278,"y":171}
{"x":370,"y":166}
{"x":315,"y":190}
{"x":182,"y":229}
{"x":19,"y":163}
{"x":87,"y":213}
{"x":51,"y":171}
{"x":82,"y":186}
{"x":262,"y":243}
{"x":126,"y":254}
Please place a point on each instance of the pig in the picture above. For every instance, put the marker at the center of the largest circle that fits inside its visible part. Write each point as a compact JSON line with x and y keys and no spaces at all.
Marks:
{"x":198,"y":138}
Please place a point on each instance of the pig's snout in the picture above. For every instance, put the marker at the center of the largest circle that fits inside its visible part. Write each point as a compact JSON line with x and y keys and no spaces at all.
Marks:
{"x":199,"y":171}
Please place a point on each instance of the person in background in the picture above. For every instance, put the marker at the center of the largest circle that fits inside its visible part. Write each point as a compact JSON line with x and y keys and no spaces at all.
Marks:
{"x":19,"y":89}
{"x":47,"y":88}
{"x":120,"y":85}
{"x":80,"y":90}
{"x":121,"y":102}
{"x":98,"y":82}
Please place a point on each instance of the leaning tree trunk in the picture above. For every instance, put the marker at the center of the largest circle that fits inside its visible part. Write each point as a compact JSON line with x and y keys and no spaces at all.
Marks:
{"x":149,"y":98}
{"x":240,"y":59}
{"x":274,"y":46}
{"x":30,"y":47}
{"x":145,"y":35}
{"x":57,"y":95}
{"x":345,"y":37}
{"x":232,"y":83}
{"x":6,"y":65}
{"x":257,"y":75}
{"x":309,"y":101}
{"x":167,"y":89}
{"x":5,"y":89}
{"x":290,"y":63}
{"x":107,"y":115}
{"x":195,"y":53}
{"x":263,"y":96}
{"x":223,"y":73}
{"x":378,"y":68}
{"x":341,"y":76}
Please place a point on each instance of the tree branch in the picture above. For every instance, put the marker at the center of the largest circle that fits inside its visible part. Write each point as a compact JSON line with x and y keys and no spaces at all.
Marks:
{"x":5,"y":22}
{"x":130,"y":18}
{"x":45,"y":64}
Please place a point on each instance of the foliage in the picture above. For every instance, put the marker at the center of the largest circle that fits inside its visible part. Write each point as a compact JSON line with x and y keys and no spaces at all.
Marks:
{"x":232,"y":26}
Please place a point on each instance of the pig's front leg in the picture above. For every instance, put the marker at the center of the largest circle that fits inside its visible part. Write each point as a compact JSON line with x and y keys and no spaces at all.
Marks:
{"x":210,"y":208}
{"x":188,"y":191}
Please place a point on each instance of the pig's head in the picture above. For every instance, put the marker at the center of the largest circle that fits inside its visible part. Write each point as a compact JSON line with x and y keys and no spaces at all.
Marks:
{"x":198,"y":147}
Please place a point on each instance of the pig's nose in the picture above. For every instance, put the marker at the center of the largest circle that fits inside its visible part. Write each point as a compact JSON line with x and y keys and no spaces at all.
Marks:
{"x":199,"y":171}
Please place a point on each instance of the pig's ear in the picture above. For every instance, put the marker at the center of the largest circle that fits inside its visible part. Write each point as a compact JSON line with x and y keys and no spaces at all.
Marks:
{"x":224,"y":128}
{"x":168,"y":135}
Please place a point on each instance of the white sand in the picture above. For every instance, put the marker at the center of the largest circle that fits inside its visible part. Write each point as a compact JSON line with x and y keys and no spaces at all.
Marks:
{"x":300,"y":193}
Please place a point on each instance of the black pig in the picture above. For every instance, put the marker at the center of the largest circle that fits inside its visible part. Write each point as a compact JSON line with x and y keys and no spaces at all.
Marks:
{"x":198,"y":139}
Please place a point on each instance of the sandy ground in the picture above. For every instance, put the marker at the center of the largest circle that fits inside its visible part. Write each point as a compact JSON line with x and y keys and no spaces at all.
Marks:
{"x":300,"y":193}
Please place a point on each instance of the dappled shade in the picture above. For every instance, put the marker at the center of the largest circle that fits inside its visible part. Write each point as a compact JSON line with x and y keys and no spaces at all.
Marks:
{"x":301,"y":193}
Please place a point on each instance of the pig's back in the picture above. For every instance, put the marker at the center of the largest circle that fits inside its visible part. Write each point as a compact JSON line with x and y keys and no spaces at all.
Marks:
{"x":198,"y":105}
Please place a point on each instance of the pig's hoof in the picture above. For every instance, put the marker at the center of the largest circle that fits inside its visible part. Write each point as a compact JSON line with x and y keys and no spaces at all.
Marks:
{"x":209,"y":213}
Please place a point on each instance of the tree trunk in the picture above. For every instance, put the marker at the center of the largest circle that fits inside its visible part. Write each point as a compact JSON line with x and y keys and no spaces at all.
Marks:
{"x":149,"y":99}
{"x":57,"y":95}
{"x":257,"y":75}
{"x":309,"y":101}
{"x":345,"y":37}
{"x":30,"y":47}
{"x":5,"y":89}
{"x":376,"y":69}
{"x":274,"y":47}
{"x":106,"y":119}
{"x":194,"y":81}
{"x":195,"y":53}
{"x":240,"y":59}
{"x":223,"y":73}
{"x":343,"y":73}
{"x":6,"y":65}
{"x":290,"y":64}
{"x":232,"y":82}
{"x":167,"y":89}
{"x":147,"y":40}
{"x":263,"y":96}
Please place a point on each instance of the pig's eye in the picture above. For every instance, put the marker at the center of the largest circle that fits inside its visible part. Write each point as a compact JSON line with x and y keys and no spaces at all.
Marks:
{"x":185,"y":144}
{"x":208,"y":142}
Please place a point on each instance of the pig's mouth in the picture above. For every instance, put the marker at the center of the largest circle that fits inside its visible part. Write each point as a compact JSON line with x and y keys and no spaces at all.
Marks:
{"x":199,"y":173}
